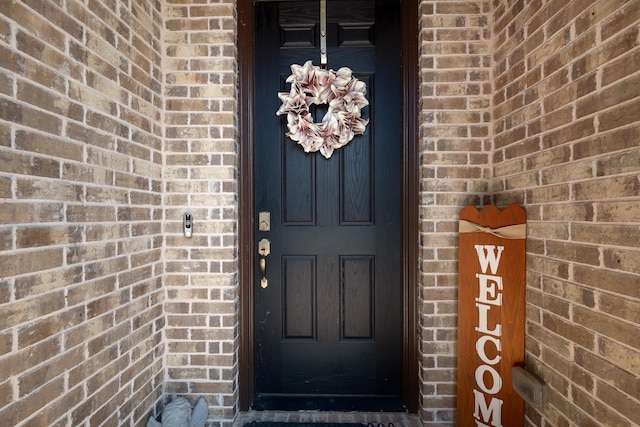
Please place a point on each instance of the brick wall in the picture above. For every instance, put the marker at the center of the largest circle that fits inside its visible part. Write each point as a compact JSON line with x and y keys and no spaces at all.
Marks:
{"x":80,"y":219}
{"x":200,"y":154}
{"x":455,"y":148}
{"x":567,"y":147}
{"x":551,"y":121}
{"x":116,"y":117}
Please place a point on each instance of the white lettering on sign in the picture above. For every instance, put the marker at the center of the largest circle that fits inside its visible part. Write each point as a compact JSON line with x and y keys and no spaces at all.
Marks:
{"x":486,"y":255}
{"x":484,"y":412}
{"x":480,"y":346}
{"x":487,"y":377}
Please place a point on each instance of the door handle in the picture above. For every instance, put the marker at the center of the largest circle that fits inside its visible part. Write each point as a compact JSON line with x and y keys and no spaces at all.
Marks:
{"x":264,"y":249}
{"x":263,"y":271}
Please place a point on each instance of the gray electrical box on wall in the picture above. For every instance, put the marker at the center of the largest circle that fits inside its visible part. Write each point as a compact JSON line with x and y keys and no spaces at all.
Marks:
{"x":528,"y":386}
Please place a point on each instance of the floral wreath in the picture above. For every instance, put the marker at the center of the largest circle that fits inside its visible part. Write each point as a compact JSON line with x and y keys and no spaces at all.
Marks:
{"x":345,"y":96}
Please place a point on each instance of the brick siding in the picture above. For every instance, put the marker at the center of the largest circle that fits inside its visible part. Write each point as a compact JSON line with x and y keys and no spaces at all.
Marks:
{"x":455,"y":171}
{"x":567,"y":147}
{"x":118,"y":116}
{"x":81,"y":272}
{"x":200,"y":157}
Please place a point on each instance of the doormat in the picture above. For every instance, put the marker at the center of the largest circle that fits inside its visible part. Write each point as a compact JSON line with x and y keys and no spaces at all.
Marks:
{"x":343,"y":404}
{"x":272,"y":424}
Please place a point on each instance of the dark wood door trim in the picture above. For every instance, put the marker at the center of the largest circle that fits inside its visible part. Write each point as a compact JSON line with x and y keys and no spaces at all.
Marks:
{"x":246,"y":253}
{"x":246,"y":257}
{"x":410,"y":369}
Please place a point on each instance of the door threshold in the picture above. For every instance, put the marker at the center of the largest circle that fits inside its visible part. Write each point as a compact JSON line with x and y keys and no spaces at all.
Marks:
{"x":329,"y":403}
{"x":398,"y":419}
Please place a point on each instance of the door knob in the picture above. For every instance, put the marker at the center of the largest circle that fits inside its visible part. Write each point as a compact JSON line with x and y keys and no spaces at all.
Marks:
{"x":264,"y":249}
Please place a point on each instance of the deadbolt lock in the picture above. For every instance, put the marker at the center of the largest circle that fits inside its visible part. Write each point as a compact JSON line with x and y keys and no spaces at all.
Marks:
{"x":264,"y":221}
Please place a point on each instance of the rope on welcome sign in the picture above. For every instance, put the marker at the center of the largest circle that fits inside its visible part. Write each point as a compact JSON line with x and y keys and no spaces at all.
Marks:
{"x":517,"y":231}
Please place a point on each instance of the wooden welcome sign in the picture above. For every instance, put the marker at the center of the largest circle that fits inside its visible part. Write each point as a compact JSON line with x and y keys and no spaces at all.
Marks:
{"x":491,"y":314}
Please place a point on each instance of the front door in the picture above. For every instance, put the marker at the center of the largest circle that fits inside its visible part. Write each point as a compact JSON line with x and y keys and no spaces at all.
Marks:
{"x":328,"y":318}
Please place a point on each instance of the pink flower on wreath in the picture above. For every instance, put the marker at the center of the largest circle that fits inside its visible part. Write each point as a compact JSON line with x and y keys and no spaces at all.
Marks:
{"x":293,"y":102}
{"x":345,"y":96}
{"x":304,"y":132}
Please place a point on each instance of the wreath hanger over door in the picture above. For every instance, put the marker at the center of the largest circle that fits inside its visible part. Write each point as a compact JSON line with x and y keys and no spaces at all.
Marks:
{"x":343,"y":93}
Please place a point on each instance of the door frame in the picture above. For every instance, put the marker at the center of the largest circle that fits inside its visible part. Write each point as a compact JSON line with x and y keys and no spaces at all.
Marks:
{"x":246,"y":205}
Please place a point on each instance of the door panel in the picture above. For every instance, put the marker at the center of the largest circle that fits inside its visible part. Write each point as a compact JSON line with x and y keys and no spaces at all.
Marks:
{"x":299,"y":297}
{"x":330,"y":321}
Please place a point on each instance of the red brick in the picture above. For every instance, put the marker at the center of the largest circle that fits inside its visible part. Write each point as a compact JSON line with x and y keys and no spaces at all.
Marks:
{"x":626,"y":16}
{"x":21,"y":361}
{"x":618,"y":401}
{"x":581,"y":334}
{"x":13,"y":264}
{"x":606,"y":188}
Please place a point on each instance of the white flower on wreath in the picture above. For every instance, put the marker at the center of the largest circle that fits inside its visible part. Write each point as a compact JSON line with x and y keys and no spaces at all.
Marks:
{"x":345,"y":97}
